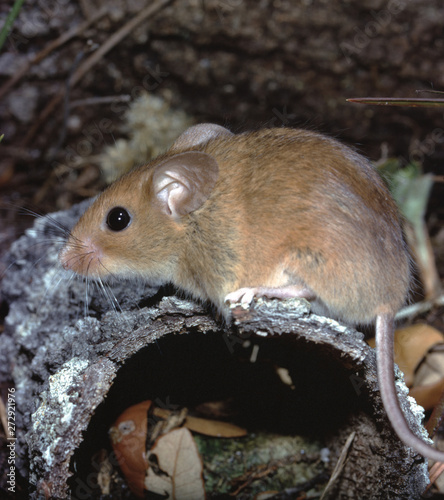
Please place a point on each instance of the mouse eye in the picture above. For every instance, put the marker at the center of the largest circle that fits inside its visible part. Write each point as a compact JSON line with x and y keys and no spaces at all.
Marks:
{"x":118,"y":219}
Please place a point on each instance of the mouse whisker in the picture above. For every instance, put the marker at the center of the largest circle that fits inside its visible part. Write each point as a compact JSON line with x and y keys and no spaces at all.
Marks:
{"x":53,"y":222}
{"x":81,"y":258}
{"x":87,"y":295}
{"x":51,"y":287}
{"x":47,"y":242}
{"x":61,"y":278}
{"x":97,"y":282}
{"x":74,"y":240}
{"x":109,"y":295}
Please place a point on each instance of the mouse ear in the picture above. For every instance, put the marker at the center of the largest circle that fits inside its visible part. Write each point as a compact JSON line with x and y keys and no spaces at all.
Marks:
{"x":184,"y":182}
{"x":199,"y":134}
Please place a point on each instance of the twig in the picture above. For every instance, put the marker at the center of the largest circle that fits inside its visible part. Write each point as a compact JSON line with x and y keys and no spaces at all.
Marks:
{"x":91,"y":101}
{"x":435,"y":471}
{"x":76,"y":30}
{"x":340,"y":465}
{"x":66,"y":106}
{"x":43,"y":116}
{"x":399,"y":101}
{"x":420,"y":307}
{"x":93,"y":60}
{"x":20,"y":153}
{"x":117,"y":37}
{"x":429,"y":91}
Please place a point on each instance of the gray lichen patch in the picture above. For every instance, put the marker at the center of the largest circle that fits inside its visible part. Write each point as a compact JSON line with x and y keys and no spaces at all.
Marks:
{"x":49,"y":420}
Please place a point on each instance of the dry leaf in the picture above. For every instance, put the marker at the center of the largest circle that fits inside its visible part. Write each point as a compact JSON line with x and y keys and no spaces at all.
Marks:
{"x":129,"y":440}
{"x":428,"y":395}
{"x":176,"y":467}
{"x":128,"y":437}
{"x":431,"y":370}
{"x":166,"y":422}
{"x":428,"y":384}
{"x":423,"y":368}
{"x":214,"y":428}
{"x":411,"y":345}
{"x":265,"y":495}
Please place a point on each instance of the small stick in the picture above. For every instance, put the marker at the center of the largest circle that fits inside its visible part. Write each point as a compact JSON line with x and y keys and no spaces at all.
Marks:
{"x":340,"y":465}
{"x":91,"y":101}
{"x":117,"y":37}
{"x":89,"y":63}
{"x":76,"y":30}
{"x":420,"y":307}
{"x":92,"y":60}
{"x":435,"y":471}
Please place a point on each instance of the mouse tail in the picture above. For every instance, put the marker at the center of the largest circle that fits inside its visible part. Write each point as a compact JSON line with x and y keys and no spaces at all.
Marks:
{"x":386,"y":378}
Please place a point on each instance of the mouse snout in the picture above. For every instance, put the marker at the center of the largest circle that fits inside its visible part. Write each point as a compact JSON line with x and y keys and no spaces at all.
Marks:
{"x":82,"y":258}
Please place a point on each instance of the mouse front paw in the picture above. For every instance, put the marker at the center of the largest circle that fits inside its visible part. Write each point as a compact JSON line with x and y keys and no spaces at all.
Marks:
{"x":245,"y":296}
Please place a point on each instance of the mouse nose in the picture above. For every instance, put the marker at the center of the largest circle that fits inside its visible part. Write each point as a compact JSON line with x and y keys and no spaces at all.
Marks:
{"x":67,"y":258}
{"x":82,"y":258}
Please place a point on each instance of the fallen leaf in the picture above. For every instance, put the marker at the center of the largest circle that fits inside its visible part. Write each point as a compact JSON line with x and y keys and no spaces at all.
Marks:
{"x":411,"y":345}
{"x":428,"y":384}
{"x":265,"y":495}
{"x":215,"y":428}
{"x":428,"y":395}
{"x":175,"y":471}
{"x":431,"y":369}
{"x":128,"y":438}
{"x":129,"y":441}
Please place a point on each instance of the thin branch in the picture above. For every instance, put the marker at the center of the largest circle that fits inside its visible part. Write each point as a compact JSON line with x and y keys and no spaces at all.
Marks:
{"x":420,"y":307}
{"x":92,"y":61}
{"x":340,"y":464}
{"x":117,"y":37}
{"x":399,"y":101}
{"x":92,"y":101}
{"x":75,"y":31}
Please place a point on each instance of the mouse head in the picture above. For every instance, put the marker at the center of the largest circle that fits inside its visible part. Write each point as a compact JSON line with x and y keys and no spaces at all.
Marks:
{"x":134,"y":227}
